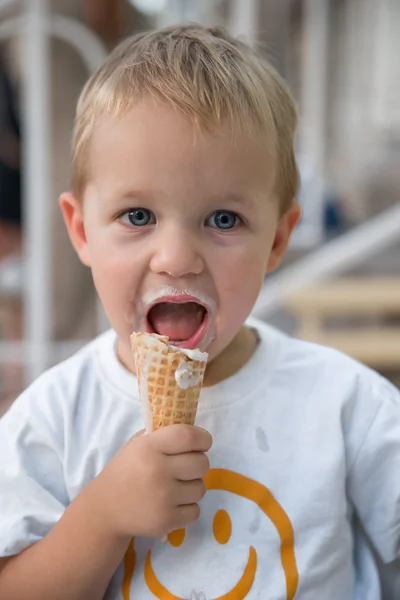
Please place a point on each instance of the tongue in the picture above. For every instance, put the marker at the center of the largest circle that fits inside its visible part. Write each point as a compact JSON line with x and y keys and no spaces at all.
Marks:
{"x":178,"y":321}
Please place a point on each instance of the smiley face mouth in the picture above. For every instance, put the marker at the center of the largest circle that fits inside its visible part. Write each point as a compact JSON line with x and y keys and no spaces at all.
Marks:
{"x":239,"y":592}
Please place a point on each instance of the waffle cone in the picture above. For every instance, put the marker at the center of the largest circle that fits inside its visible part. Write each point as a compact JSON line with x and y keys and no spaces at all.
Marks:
{"x":167,"y":398}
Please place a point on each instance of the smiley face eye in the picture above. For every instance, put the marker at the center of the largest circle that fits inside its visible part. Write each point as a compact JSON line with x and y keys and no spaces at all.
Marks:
{"x":176,"y":538}
{"x":222,"y":527}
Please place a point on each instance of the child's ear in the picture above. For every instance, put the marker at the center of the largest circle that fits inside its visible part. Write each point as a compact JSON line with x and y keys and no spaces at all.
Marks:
{"x":283,"y":234}
{"x":72,"y":211}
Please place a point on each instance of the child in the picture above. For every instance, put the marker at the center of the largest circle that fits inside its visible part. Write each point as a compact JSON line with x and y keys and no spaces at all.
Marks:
{"x":184,"y":181}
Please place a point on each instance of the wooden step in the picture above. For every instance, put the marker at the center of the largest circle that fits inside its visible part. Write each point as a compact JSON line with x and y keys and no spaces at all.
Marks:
{"x":373,"y":299}
{"x":348,"y":296}
{"x":379,"y":348}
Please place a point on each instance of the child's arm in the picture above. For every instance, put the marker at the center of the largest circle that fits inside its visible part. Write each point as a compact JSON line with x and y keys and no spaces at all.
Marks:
{"x":150,"y":488}
{"x":76,"y":560}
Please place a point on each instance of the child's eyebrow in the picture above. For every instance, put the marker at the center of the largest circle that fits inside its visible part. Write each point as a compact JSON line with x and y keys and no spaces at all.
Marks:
{"x":127,"y":195}
{"x":239,"y":199}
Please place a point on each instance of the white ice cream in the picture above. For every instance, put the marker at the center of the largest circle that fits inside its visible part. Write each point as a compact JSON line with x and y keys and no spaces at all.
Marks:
{"x":185,"y":376}
{"x":192,"y":354}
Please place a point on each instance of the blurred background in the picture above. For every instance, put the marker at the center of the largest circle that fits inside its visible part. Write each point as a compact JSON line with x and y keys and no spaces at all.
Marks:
{"x":340,"y":283}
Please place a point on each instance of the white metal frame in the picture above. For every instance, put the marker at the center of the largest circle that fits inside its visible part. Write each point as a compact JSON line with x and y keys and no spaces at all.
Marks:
{"x":37,"y":26}
{"x":312,"y":148}
{"x":333,"y":258}
{"x":37,"y":195}
{"x":244,"y":19}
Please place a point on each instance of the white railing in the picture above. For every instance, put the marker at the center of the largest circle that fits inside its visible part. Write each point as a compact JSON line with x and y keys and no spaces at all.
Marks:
{"x":37,"y":26}
{"x":335,"y":257}
{"x":37,"y":190}
{"x":313,"y":109}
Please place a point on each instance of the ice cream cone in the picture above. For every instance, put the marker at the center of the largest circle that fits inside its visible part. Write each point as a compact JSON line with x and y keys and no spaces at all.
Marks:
{"x":170,"y":380}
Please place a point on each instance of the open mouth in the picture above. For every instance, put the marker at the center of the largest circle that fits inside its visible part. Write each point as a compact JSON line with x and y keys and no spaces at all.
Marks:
{"x":183,"y":322}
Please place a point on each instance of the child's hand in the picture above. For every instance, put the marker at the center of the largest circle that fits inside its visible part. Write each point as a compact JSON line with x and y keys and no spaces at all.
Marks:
{"x":153,"y":484}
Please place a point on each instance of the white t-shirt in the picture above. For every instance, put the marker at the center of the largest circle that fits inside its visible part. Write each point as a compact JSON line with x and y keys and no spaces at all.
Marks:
{"x":303,"y":496}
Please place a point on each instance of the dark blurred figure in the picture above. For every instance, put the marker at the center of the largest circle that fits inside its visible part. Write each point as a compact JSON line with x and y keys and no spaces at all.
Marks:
{"x":10,"y":173}
{"x":106,"y":18}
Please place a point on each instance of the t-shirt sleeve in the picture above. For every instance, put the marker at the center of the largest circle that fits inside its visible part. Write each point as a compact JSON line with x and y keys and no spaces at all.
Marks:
{"x":33,"y":494}
{"x":374,"y":478}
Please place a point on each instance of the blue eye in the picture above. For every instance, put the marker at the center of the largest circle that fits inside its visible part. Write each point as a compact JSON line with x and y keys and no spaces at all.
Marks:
{"x":139,"y":217}
{"x":224,"y":219}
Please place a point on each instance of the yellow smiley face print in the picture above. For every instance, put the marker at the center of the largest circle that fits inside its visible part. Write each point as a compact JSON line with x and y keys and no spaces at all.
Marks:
{"x":234,"y":483}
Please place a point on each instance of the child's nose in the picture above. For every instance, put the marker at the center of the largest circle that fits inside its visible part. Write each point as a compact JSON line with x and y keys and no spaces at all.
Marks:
{"x":176,"y":254}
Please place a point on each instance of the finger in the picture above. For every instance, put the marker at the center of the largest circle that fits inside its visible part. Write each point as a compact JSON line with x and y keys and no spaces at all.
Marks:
{"x":190,"y":492}
{"x":179,"y":439}
{"x":186,"y":515}
{"x":189,"y":466}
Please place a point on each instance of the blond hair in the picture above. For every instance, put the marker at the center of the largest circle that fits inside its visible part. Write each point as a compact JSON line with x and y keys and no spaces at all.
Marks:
{"x":207,"y":75}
